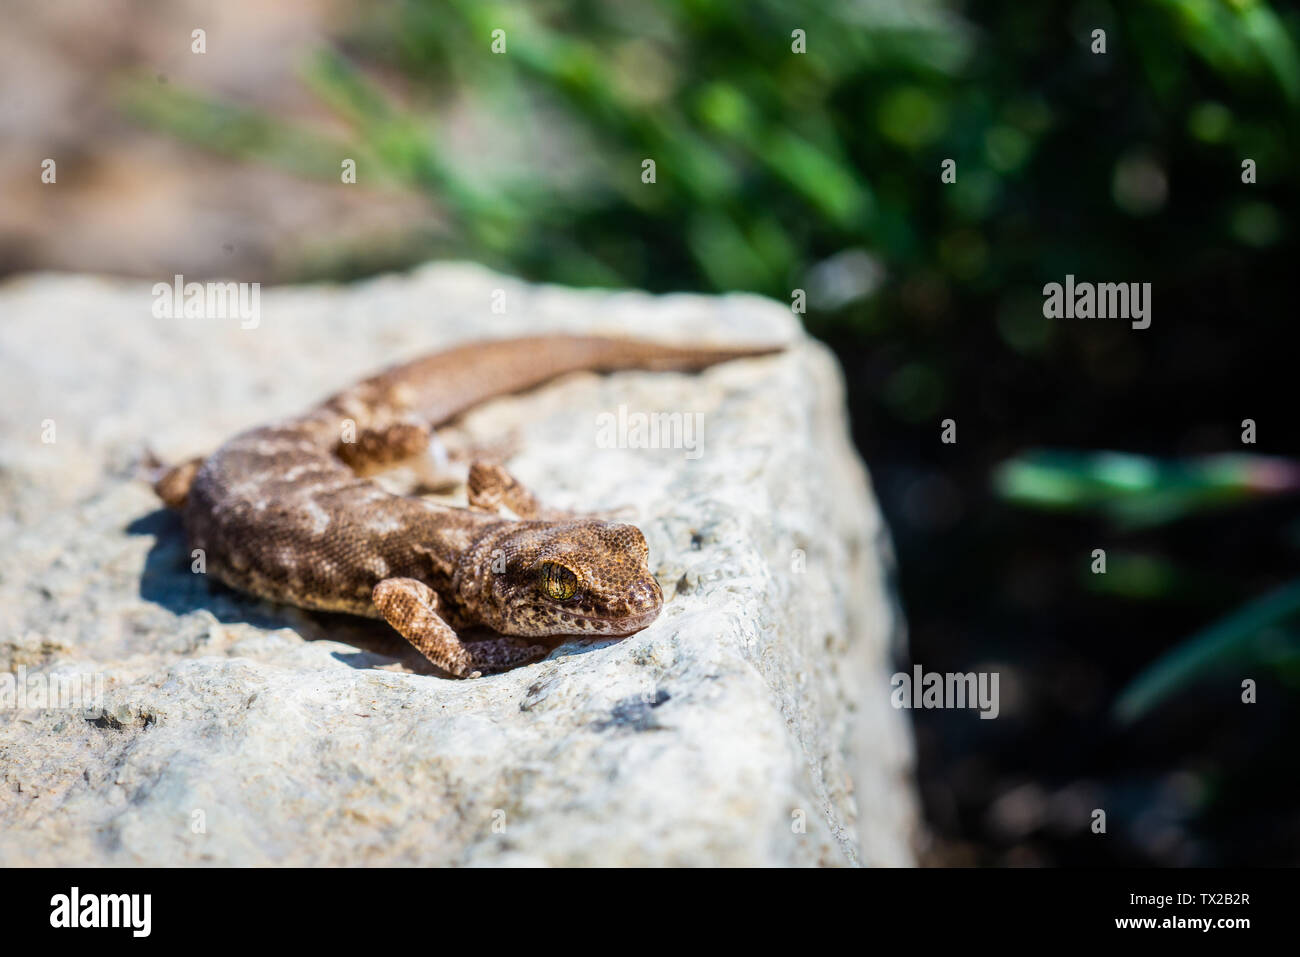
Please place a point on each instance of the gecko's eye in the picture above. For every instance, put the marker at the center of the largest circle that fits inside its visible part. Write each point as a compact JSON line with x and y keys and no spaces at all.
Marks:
{"x":558,"y":582}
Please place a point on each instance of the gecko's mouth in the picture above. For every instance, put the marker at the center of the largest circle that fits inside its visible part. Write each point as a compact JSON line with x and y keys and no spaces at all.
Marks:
{"x":618,"y":627}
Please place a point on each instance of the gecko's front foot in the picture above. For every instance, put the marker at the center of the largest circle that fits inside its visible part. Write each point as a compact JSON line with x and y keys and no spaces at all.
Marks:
{"x":492,"y":488}
{"x":411,"y":607}
{"x":501,"y":654}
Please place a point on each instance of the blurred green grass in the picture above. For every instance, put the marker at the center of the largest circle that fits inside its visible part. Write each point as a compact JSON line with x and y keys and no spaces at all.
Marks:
{"x":768,"y":161}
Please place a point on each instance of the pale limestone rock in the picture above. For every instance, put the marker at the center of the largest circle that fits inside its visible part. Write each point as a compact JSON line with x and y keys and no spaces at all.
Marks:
{"x":749,"y":725}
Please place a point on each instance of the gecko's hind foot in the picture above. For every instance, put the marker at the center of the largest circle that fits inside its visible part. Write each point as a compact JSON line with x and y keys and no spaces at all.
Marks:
{"x":380,"y":447}
{"x":173,"y":484}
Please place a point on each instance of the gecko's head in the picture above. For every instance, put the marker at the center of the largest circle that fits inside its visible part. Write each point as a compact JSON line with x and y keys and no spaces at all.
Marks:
{"x":570,"y":578}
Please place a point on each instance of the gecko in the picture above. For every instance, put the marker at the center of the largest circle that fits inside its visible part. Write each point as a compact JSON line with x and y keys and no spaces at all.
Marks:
{"x":290,"y":511}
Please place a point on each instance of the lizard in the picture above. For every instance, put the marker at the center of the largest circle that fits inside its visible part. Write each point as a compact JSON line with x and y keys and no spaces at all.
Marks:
{"x":289,"y":511}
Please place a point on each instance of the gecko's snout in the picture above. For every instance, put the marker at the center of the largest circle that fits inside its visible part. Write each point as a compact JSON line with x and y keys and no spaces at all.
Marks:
{"x":642,"y":604}
{"x":622,"y":594}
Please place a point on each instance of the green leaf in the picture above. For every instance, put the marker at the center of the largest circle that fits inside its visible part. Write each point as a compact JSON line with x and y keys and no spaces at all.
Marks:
{"x":1136,"y":490}
{"x":1247,"y":636}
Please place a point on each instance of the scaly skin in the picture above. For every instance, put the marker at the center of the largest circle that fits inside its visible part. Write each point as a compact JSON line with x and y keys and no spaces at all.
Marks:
{"x":285,"y":512}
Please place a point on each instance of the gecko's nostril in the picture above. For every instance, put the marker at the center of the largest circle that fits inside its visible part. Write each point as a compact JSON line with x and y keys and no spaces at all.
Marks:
{"x":647,"y":597}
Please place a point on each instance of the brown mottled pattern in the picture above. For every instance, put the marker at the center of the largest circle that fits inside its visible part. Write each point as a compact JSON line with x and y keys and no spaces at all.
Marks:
{"x":283,"y":512}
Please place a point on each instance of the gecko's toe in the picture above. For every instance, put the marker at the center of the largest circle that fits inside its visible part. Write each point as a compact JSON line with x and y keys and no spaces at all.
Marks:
{"x":502,"y":654}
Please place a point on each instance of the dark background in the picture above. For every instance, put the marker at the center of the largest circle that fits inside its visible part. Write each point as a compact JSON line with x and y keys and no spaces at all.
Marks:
{"x":820,"y":171}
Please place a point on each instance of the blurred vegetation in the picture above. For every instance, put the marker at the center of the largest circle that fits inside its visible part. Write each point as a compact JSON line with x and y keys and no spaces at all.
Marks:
{"x":1135,"y":491}
{"x":770,"y":162}
{"x":1263,"y":634}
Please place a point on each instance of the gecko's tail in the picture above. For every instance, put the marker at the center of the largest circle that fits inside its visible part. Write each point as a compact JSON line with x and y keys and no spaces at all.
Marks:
{"x":619,"y":354}
{"x":440,"y":386}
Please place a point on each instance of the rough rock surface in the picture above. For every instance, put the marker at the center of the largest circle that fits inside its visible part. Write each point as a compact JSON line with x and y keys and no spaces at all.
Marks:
{"x":749,"y":725}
